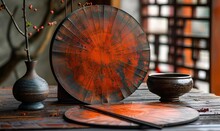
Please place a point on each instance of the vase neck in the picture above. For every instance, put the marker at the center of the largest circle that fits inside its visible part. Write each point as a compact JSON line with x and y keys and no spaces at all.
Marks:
{"x":30,"y":65}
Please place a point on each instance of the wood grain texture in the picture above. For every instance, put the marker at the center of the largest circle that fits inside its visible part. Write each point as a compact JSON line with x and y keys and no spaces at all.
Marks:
{"x":51,"y":117}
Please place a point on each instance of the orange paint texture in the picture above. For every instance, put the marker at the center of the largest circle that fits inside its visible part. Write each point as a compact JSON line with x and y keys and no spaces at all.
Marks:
{"x":100,"y":54}
{"x":157,"y":113}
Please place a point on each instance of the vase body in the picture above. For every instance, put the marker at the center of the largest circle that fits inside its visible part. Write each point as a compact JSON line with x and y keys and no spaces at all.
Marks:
{"x":31,"y":89}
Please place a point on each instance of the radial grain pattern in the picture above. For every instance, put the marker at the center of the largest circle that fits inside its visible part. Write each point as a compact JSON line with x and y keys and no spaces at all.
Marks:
{"x":100,"y":54}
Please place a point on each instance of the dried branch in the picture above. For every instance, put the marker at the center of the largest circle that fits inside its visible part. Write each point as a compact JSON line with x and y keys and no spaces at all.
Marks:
{"x":36,"y":35}
{"x":10,"y":40}
{"x":49,"y":35}
{"x":60,"y":11}
{"x":27,"y":49}
{"x":12,"y":18}
{"x":9,"y":30}
{"x":18,"y":54}
{"x":43,"y":45}
{"x":46,"y":18}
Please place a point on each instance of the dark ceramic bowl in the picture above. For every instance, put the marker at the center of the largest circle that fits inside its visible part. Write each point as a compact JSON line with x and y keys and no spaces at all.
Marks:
{"x":169,"y":86}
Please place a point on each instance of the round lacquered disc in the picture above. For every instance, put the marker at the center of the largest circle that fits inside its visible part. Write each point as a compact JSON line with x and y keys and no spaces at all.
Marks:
{"x":100,"y":54}
{"x":156,"y":113}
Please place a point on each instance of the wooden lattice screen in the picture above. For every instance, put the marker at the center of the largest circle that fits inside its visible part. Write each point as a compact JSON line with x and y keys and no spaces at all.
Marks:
{"x":179,"y":29}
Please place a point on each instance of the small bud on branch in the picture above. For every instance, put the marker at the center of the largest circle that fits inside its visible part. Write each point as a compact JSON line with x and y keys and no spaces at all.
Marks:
{"x":35,"y":27}
{"x":30,"y":6}
{"x":52,"y":12}
{"x":52,"y":23}
{"x":30,"y":34}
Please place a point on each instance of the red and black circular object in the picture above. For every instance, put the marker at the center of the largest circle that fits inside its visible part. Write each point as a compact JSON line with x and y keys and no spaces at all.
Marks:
{"x":100,"y":54}
{"x":157,"y":114}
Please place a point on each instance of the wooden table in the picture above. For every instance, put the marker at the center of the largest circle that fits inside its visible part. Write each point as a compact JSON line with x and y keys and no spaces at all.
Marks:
{"x":51,"y":117}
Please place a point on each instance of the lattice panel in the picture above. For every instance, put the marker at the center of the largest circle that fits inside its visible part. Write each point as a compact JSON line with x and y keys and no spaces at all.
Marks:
{"x":179,"y":34}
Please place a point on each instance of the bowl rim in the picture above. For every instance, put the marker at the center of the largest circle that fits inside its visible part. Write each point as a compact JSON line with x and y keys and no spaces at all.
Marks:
{"x":169,"y":75}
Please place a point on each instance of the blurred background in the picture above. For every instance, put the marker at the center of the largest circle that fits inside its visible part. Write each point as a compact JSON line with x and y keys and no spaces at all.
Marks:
{"x":183,"y":37}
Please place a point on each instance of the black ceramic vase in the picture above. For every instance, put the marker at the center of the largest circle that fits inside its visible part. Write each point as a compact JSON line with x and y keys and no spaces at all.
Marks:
{"x":30,"y":89}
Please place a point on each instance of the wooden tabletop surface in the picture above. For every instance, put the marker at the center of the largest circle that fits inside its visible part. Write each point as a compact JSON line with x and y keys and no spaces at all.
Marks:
{"x":51,"y":117}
